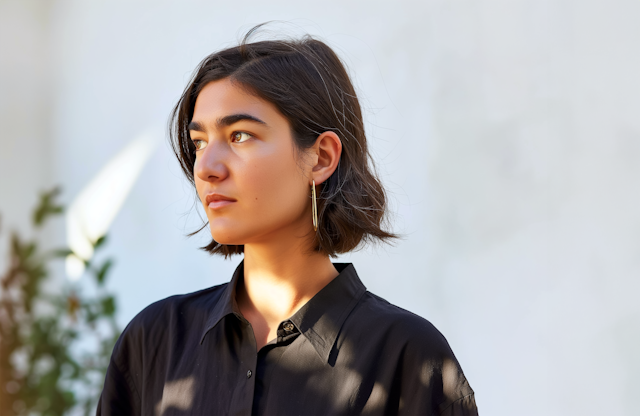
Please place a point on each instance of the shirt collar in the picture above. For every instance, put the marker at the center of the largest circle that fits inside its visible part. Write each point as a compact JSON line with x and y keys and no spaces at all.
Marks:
{"x":319,"y":320}
{"x":226,"y":304}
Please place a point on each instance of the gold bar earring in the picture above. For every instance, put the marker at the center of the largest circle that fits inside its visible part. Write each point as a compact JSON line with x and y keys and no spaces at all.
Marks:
{"x":314,"y":208}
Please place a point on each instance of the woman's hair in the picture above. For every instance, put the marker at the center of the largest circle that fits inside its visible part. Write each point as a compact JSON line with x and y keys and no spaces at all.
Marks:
{"x":308,"y":84}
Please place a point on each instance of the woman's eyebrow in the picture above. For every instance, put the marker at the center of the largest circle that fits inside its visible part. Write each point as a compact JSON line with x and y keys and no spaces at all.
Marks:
{"x":225,"y":122}
{"x":196,"y":126}
{"x":234,"y":118}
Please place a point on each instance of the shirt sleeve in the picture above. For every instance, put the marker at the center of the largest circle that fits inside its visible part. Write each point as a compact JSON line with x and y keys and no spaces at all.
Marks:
{"x":464,"y":406}
{"x":441,"y":394}
{"x":431,"y":380}
{"x":457,"y":396}
{"x":119,"y":394}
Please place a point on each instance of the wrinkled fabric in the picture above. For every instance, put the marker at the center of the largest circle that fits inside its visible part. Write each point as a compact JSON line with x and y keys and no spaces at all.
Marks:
{"x":345,"y":352}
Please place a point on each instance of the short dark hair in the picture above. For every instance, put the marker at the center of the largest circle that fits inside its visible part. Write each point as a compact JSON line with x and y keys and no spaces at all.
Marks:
{"x":309,"y":85}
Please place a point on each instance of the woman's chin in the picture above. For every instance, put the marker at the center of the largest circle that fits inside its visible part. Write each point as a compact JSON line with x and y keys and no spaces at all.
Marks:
{"x":227,"y":240}
{"x":227,"y":237}
{"x":224,"y":232}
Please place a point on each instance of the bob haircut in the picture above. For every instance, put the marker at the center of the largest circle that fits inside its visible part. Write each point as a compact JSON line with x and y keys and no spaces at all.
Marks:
{"x":306,"y":81}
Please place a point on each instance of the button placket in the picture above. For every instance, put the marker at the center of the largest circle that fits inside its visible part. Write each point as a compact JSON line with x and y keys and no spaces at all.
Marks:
{"x":242,"y":399}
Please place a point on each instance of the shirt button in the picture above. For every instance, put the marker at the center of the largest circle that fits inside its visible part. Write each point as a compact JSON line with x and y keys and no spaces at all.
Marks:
{"x":288,"y":326}
{"x":249,"y":374}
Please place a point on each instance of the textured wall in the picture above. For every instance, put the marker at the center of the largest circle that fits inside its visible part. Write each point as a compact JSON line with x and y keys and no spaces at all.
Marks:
{"x":506,"y":133}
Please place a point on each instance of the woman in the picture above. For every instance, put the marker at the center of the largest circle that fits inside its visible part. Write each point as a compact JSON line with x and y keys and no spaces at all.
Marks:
{"x":271,"y":135}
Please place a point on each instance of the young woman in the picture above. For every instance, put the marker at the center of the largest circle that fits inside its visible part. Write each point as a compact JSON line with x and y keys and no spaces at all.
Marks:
{"x":271,"y":135}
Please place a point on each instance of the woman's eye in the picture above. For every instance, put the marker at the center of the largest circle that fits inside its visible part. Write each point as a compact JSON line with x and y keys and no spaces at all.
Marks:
{"x":240,"y":136}
{"x":199,"y":144}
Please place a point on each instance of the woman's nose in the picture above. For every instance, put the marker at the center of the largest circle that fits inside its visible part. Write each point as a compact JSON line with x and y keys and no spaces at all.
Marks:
{"x":211,"y":163}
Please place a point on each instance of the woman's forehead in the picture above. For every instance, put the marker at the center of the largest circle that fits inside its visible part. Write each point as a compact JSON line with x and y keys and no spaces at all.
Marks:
{"x":222,"y":98}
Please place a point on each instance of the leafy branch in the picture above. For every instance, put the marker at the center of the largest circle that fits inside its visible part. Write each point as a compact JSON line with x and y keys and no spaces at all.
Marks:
{"x":45,"y":367}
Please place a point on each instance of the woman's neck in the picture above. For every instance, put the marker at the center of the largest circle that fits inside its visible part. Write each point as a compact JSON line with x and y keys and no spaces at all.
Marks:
{"x":277,"y":282}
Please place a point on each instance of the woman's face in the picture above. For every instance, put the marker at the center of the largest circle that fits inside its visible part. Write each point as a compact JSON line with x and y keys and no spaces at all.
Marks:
{"x":252,"y":183}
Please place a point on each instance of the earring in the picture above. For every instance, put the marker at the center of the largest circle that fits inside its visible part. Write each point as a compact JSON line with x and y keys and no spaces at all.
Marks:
{"x":314,"y":208}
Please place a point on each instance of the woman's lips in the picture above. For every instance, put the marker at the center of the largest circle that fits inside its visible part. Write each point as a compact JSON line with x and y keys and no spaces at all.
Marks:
{"x":220,"y":203}
{"x":216,"y":201}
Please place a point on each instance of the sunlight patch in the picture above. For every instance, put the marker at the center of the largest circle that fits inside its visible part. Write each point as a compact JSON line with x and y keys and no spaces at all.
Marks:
{"x":177,"y":394}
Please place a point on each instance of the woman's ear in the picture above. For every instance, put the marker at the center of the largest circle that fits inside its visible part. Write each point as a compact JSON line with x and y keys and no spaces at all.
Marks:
{"x":328,"y":149}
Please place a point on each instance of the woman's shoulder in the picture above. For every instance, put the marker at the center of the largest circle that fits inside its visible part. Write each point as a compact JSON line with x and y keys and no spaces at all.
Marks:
{"x":163,"y":318}
{"x":385,"y":327}
{"x":187,"y":301}
{"x":405,"y":339}
{"x":399,"y":325}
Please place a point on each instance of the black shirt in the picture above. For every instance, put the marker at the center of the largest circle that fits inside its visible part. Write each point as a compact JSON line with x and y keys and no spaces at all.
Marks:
{"x":346,"y":351}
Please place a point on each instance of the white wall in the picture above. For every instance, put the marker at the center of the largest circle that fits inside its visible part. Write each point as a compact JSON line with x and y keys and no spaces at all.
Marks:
{"x":25,"y":114}
{"x":506,"y":133}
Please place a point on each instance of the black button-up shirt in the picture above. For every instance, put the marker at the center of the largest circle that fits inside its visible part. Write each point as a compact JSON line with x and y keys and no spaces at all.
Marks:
{"x":346,"y":351}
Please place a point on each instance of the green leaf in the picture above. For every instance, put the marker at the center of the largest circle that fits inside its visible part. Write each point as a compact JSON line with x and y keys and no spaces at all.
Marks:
{"x":99,"y":242}
{"x":16,"y":246}
{"x":60,"y":252}
{"x":102,"y":272}
{"x":29,"y":249}
{"x":108,"y":305}
{"x":47,"y":206}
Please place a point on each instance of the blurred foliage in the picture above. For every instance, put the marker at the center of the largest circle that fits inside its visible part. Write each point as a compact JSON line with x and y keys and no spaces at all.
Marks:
{"x":55,"y":343}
